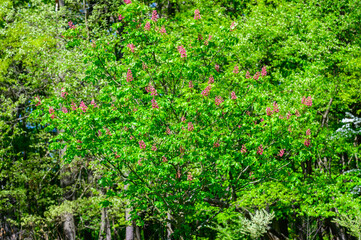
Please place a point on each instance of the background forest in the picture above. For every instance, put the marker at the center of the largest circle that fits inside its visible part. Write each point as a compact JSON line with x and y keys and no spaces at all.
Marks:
{"x":180,"y":119}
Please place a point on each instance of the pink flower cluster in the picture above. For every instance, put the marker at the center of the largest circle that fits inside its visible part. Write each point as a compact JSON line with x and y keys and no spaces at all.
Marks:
{"x":218,"y":100}
{"x":93,"y":103}
{"x":37,"y":98}
{"x":164,"y":159}
{"x":260,"y":150}
{"x":248,"y":75}
{"x":154,"y":103}
{"x":190,"y":84}
{"x":73,"y":106}
{"x":233,"y":26}
{"x":256,"y":76}
{"x":264,"y":71}
{"x":120,"y":17}
{"x":183,"y":118}
{"x":182,"y":51}
{"x":189,"y":177}
{"x":233,"y":95}
{"x":142,"y":144}
{"x":216,"y":144}
{"x":282,"y":151}
{"x":190,"y":126}
{"x":307,"y":101}
{"x":152,"y":90}
{"x":162,"y":30}
{"x":64,"y":110}
{"x":131,"y":46}
{"x":269,"y":111}
{"x":236,"y":70}
{"x":217,"y":67}
{"x":307,"y":142}
{"x":275,"y":107}
{"x":206,"y":91}
{"x":308,"y":132}
{"x":127,"y":1}
{"x":154,"y":16}
{"x":197,"y":14}
{"x":83,"y":106}
{"x":51,"y":111}
{"x":211,"y":80}
{"x":63,"y":93}
{"x":243,"y":149}
{"x":289,"y":115}
{"x":108,"y":132}
{"x":129,"y":76}
{"x":168,"y":131}
{"x":71,"y":25}
{"x":154,"y":148}
{"x":147,"y":26}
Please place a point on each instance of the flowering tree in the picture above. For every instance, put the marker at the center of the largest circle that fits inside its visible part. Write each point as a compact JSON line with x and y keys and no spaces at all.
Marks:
{"x":181,"y":120}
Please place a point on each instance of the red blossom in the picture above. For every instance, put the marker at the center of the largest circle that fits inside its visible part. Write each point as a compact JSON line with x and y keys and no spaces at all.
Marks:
{"x":236,"y":70}
{"x":37,"y":98}
{"x":256,"y":76}
{"x":233,"y":26}
{"x":168,"y":131}
{"x":63,"y":93}
{"x":182,"y":51}
{"x":131,"y":46}
{"x":73,"y":106}
{"x":269,"y":111}
{"x":129,"y":76}
{"x":83,"y":106}
{"x":190,"y":84}
{"x":71,"y":25}
{"x":289,"y":115}
{"x":189,"y":177}
{"x":93,"y":103}
{"x":154,"y":16}
{"x":197,"y":14}
{"x":307,"y":142}
{"x":154,"y":148}
{"x":51,"y":110}
{"x":218,"y":100}
{"x":264,"y":71}
{"x":275,"y":107}
{"x":243,"y":149}
{"x":142,"y":144}
{"x":154,"y":103}
{"x":282,"y":151}
{"x":162,"y":30}
{"x":216,"y":144}
{"x":190,"y":126}
{"x":233,"y":95}
{"x":120,"y":17}
{"x":260,"y":150}
{"x":206,"y":91}
{"x":211,"y":80}
{"x":216,"y":67}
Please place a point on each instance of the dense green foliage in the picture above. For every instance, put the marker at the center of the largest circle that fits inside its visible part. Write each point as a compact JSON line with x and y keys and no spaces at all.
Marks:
{"x":210,"y":120}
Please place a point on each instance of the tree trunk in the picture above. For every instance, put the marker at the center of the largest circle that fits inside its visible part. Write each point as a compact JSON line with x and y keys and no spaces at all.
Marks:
{"x":129,"y":230}
{"x":67,"y":180}
{"x":105,"y":233}
{"x":69,"y":226}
